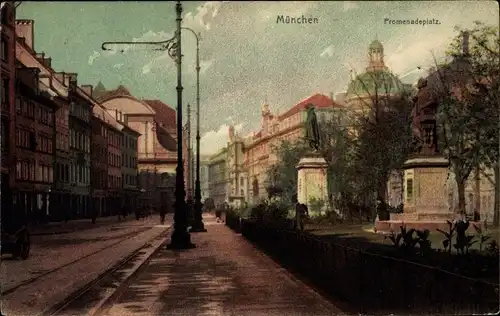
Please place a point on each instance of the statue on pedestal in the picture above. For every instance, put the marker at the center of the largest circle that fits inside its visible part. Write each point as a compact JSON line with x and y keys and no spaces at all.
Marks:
{"x":424,"y":120}
{"x":312,"y":129}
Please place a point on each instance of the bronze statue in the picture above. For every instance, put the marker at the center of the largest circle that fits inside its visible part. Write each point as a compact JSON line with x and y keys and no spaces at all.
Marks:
{"x":312,"y":129}
{"x":424,"y":119}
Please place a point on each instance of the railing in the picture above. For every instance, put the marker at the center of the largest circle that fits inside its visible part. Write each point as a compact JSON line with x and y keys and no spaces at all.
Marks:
{"x":233,"y":221}
{"x":373,"y":283}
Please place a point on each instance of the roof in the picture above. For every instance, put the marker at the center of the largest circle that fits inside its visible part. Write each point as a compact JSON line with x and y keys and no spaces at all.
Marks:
{"x":374,"y":82}
{"x":164,"y":113}
{"x":118,"y":92}
{"x":376,"y":45}
{"x":318,"y":100}
{"x":100,"y":112}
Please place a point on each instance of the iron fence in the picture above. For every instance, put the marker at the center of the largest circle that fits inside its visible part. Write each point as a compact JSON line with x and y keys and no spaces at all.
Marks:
{"x":374,"y":283}
{"x":233,"y":221}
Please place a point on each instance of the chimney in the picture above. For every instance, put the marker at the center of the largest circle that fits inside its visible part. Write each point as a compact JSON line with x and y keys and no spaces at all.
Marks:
{"x":116,"y":114}
{"x":47,"y":62}
{"x":465,"y":43}
{"x":24,"y":28}
{"x":71,"y":78}
{"x":60,"y":77}
{"x":40,"y":57}
{"x":87,"y":88}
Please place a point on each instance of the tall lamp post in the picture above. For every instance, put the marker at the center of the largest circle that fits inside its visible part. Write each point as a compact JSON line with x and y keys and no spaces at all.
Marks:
{"x":189,"y":155}
{"x":197,"y":225}
{"x":181,"y":239}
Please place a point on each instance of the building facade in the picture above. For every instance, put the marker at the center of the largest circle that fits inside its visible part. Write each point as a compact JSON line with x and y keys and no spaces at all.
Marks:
{"x":218,"y":177}
{"x":35,"y":120}
{"x":80,"y":133}
{"x":130,"y":189}
{"x":99,"y":167}
{"x":204,"y":178}
{"x":288,"y":126}
{"x":8,"y":115}
{"x":156,"y":145}
{"x":236,"y":172}
{"x":55,"y":88}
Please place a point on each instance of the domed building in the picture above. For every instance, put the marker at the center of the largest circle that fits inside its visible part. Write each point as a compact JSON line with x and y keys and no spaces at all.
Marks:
{"x":377,"y":81}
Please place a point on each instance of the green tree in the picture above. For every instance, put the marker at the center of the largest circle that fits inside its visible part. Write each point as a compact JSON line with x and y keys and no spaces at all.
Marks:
{"x":382,"y":131}
{"x":468,"y":90}
{"x":282,"y":176}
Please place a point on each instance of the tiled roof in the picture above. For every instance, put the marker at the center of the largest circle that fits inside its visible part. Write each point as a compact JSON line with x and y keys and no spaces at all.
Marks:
{"x":318,"y":101}
{"x":165,"y":115}
{"x":120,"y":91}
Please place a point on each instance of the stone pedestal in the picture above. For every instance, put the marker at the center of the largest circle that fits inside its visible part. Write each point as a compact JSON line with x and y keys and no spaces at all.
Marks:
{"x":312,"y":181}
{"x":425,"y":196}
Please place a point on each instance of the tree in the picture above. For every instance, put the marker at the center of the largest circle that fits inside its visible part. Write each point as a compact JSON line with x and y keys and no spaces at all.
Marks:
{"x":283,"y":174}
{"x":383,"y":133}
{"x":468,"y":89}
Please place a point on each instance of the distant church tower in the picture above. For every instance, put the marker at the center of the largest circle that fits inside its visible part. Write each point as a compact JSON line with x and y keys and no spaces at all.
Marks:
{"x":376,"y":56}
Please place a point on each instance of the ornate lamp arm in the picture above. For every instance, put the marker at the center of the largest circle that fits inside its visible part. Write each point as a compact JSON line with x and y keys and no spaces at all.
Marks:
{"x":169,"y":45}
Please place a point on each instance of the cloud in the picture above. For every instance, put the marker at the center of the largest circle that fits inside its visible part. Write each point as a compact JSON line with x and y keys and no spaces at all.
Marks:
{"x":204,"y":17}
{"x":349,"y":5}
{"x":205,"y":64}
{"x":93,"y":57}
{"x":327,"y":52}
{"x":271,"y":10}
{"x":118,"y":66}
{"x":213,"y":141}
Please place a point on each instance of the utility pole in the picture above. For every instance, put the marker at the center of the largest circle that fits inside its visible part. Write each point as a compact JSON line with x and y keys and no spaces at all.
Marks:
{"x":181,"y":239}
{"x":197,"y":225}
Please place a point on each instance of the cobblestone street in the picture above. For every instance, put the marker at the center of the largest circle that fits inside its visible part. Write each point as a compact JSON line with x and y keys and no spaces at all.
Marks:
{"x":60,"y":264}
{"x":224,"y":275}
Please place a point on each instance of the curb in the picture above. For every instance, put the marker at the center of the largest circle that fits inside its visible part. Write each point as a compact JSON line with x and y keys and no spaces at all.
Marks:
{"x":124,"y":284}
{"x":57,"y":308}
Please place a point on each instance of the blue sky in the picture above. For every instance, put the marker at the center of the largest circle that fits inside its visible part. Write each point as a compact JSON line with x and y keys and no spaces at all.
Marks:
{"x":246,"y":57}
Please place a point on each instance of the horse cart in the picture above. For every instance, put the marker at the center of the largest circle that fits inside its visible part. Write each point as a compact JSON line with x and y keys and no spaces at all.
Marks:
{"x":15,"y":240}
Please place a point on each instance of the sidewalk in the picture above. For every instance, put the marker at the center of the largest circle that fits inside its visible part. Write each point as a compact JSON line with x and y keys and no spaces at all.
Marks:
{"x":224,"y":275}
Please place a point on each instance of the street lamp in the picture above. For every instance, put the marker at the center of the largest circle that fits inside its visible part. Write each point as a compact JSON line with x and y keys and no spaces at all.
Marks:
{"x":197,"y":225}
{"x":181,"y":239}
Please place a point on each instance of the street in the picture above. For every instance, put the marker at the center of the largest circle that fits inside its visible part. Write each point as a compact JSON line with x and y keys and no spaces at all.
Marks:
{"x":223,"y":275}
{"x":61,"y":264}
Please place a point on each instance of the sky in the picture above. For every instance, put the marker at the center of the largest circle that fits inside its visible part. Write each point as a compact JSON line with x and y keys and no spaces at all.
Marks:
{"x":246,"y":57}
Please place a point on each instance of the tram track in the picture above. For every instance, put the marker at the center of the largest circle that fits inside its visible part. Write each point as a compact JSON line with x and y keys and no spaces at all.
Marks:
{"x":104,"y":281}
{"x":77,"y":260}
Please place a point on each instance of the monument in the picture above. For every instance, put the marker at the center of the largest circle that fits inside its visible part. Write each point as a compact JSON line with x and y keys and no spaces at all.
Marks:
{"x":426,"y":173}
{"x":312,"y":168}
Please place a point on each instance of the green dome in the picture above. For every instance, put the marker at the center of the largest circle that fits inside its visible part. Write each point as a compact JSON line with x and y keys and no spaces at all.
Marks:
{"x":376,"y":45}
{"x":381,"y":80}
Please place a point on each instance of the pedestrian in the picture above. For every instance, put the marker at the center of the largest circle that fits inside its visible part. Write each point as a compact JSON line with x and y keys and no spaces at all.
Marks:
{"x":162,"y":215}
{"x":218,"y":214}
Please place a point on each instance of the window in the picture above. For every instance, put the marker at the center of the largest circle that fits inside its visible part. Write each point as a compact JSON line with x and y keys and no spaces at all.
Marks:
{"x":4,"y":53}
{"x":18,"y":170}
{"x":409,"y":190}
{"x":32,"y":171}
{"x":18,"y":105}
{"x":5,"y":92}
{"x":6,"y":15}
{"x":30,"y":110}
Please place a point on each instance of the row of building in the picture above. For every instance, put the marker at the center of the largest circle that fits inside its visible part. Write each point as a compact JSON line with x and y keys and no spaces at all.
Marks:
{"x":71,"y":150}
{"x":238,"y":172}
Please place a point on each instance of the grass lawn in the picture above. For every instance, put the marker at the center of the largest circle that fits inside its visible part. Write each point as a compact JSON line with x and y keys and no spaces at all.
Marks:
{"x":362,"y":236}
